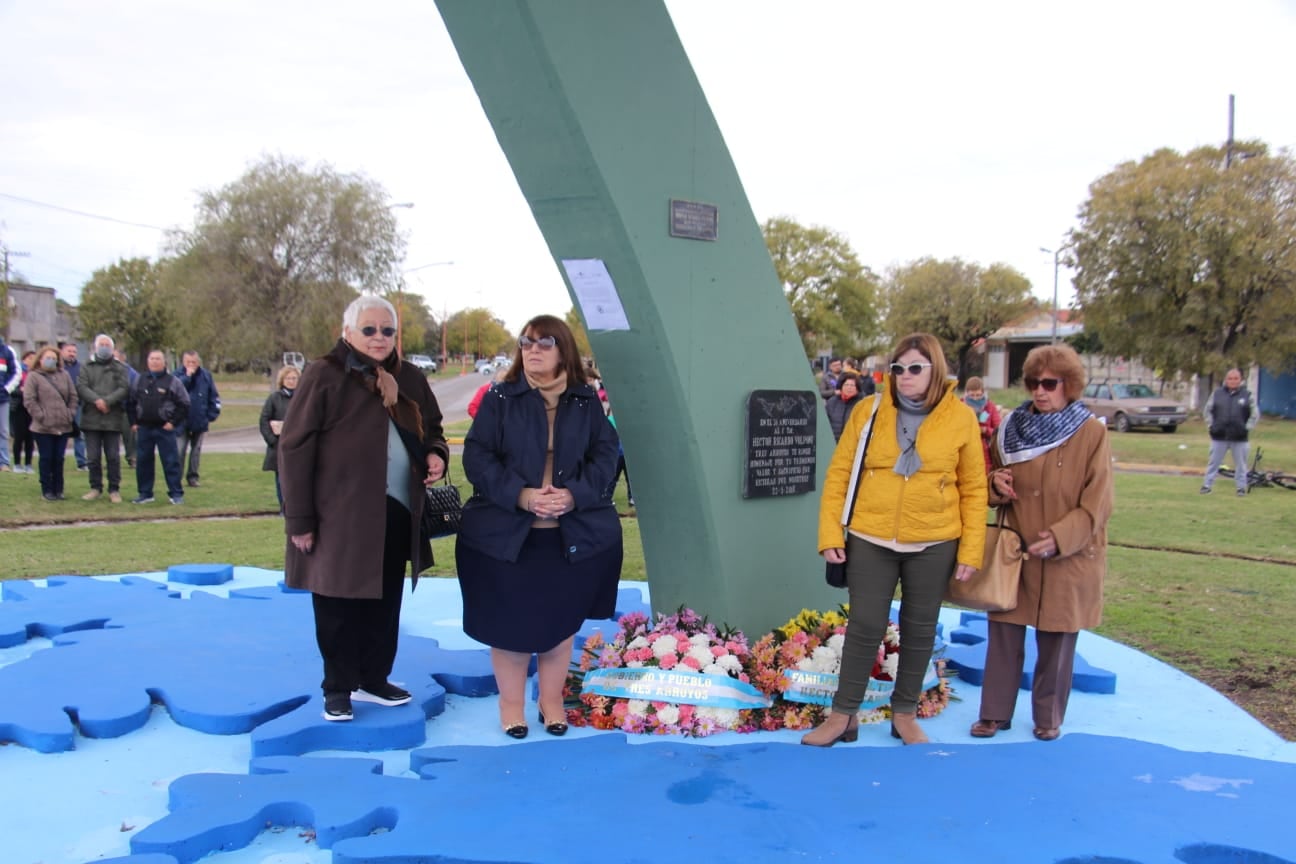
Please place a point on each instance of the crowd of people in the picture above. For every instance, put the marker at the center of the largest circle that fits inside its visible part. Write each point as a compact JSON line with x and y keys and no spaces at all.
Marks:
{"x":49,"y":398}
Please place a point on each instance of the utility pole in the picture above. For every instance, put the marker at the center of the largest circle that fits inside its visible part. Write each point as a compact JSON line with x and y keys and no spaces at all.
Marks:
{"x":1228,"y":145}
{"x":4,"y":287}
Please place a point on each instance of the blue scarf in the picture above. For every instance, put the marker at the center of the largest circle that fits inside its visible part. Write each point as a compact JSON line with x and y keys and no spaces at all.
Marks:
{"x":1025,"y":434}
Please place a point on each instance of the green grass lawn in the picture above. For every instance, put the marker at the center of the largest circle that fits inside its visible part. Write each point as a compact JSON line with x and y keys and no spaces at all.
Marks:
{"x":1205,"y":583}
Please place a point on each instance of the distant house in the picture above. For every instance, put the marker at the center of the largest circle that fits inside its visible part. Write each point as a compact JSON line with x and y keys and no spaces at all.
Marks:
{"x":1007,"y":347}
{"x":34,"y":319}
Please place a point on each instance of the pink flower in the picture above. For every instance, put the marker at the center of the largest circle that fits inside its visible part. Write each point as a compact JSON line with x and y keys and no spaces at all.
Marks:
{"x":691,"y":662}
{"x":720,"y":651}
{"x":668,"y":662}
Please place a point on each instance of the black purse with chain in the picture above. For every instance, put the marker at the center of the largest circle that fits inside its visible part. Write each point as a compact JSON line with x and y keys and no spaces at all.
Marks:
{"x":442,"y":511}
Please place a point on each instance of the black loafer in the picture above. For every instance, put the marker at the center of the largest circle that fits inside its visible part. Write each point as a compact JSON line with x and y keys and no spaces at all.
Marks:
{"x":517,"y":730}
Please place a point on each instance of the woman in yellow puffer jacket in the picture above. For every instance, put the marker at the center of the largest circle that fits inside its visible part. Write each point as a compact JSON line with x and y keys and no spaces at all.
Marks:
{"x":919,"y":517}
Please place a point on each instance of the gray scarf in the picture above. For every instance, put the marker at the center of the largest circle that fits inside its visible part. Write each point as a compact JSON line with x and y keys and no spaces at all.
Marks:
{"x":911,"y":416}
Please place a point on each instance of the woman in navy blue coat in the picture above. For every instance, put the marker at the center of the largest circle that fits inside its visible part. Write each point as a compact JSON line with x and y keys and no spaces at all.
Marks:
{"x":539,"y":548}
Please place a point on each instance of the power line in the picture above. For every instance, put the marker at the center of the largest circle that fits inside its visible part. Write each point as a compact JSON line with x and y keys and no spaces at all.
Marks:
{"x":80,"y":212}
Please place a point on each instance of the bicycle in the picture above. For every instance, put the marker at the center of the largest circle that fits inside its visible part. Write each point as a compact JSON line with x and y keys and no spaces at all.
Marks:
{"x":1256,"y":478}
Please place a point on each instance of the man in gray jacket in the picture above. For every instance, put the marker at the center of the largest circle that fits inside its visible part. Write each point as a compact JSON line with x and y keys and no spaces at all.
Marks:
{"x":102,"y":389}
{"x":1231,"y":414}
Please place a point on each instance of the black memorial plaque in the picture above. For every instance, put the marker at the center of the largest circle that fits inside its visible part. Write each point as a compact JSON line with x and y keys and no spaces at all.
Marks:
{"x":780,"y":457}
{"x":693,"y":220}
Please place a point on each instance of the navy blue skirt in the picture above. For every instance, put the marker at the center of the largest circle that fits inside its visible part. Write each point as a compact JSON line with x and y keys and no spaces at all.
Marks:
{"x":533,"y":604}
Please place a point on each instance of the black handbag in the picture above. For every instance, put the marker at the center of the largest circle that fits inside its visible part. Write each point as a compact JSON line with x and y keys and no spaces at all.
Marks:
{"x":442,"y":511}
{"x":835,"y":574}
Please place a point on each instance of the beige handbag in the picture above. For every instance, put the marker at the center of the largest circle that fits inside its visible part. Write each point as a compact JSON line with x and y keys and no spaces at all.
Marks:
{"x":993,"y":588}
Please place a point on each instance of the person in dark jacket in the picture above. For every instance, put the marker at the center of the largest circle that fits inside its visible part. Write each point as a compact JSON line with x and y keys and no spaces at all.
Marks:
{"x":102,"y":389}
{"x":273,"y":413}
{"x":840,"y":406}
{"x":10,"y":379}
{"x":204,"y":408}
{"x":158,"y":406}
{"x":24,"y":443}
{"x":361,"y":440}
{"x":128,"y":436}
{"x":72,"y":366}
{"x":539,"y":547}
{"x":1230,"y":414}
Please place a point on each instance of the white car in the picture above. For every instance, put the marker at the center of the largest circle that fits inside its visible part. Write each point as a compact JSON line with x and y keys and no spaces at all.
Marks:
{"x":422,"y":361}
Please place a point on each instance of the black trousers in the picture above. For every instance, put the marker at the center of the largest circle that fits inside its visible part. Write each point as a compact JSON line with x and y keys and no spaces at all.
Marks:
{"x":357,"y":637}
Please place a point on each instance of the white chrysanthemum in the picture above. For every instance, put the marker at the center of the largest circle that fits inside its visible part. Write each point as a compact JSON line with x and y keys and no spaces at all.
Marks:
{"x":637,"y":706}
{"x":891,"y":664}
{"x":836,"y":641}
{"x":668,"y":715}
{"x":701,"y":653}
{"x":665,"y":645}
{"x":824,"y":659}
{"x":699,"y":639}
{"x":638,"y":642}
{"x":634,"y":664}
{"x":726,"y":717}
{"x":729,"y":663}
{"x":714,"y":669}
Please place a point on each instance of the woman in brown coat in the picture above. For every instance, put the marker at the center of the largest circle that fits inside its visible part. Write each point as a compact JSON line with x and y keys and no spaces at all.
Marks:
{"x":361,"y":439}
{"x":50,"y":397}
{"x":1053,"y":471}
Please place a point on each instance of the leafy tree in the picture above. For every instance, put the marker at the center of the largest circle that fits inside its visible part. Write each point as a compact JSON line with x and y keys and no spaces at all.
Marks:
{"x":278,"y":254}
{"x":577,"y":326}
{"x":1190,"y":267}
{"x":477,"y":332}
{"x":124,"y":300}
{"x":957,"y":302}
{"x":832,"y":295}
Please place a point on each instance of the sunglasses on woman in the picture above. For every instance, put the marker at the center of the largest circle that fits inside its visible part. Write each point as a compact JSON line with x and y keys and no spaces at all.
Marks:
{"x":545,"y":342}
{"x":912,"y":368}
{"x":1049,"y":384}
{"x":372,"y":331}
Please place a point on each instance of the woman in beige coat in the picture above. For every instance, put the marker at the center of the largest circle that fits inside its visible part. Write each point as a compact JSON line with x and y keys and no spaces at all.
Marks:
{"x":1053,"y":472}
{"x":50,"y":397}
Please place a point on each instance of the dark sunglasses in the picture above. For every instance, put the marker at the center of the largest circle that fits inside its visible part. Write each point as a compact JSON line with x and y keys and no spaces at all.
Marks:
{"x":545,"y":342}
{"x":371,"y":330}
{"x":1049,"y":384}
{"x":912,"y":368}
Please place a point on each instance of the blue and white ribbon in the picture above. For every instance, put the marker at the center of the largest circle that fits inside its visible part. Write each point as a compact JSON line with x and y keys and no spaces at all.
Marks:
{"x":681,"y":687}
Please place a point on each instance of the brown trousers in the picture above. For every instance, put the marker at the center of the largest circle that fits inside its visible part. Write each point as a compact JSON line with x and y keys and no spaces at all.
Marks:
{"x":1005,"y":658}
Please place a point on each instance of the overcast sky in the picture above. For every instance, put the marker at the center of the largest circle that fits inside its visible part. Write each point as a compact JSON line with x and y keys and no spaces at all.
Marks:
{"x":942,"y":128}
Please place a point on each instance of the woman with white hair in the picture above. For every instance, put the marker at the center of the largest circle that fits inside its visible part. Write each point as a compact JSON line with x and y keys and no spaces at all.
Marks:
{"x":361,"y":439}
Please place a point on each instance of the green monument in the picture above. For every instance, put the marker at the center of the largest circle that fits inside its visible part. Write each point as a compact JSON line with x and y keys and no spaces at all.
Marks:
{"x":607,"y":130}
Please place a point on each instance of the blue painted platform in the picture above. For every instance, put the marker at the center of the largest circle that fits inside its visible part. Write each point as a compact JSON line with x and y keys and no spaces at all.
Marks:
{"x":1161,"y":770}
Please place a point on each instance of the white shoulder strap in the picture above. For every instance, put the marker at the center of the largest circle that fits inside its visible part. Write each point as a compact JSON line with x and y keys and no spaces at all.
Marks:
{"x":865,"y":434}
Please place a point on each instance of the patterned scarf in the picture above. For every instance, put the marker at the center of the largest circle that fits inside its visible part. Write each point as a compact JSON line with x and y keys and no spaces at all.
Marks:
{"x":1026,"y":434}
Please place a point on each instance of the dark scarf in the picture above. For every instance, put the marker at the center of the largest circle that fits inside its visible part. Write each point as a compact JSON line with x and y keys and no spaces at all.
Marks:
{"x":1026,"y":434}
{"x":377,"y":378}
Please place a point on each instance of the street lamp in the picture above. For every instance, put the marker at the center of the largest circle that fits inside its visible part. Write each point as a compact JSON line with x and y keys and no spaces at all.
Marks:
{"x":1057,"y":257}
{"x":424,"y":267}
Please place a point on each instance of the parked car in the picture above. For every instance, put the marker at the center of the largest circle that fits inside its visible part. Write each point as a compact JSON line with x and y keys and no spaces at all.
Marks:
{"x":422,"y":361}
{"x":1127,"y":406}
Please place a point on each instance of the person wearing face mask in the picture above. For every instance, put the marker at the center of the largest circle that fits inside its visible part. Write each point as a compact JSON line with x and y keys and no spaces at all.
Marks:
{"x":840,"y":406}
{"x":158,"y":405}
{"x":273,"y":413}
{"x":917,"y":518}
{"x":50,"y":397}
{"x":10,"y":378}
{"x":974,"y":396}
{"x":102,"y":388}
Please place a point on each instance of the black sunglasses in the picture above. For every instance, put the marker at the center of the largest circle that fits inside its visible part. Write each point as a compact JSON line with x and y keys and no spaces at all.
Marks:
{"x":912,"y":368}
{"x":545,"y":342}
{"x":1049,"y":384}
{"x":371,"y":330}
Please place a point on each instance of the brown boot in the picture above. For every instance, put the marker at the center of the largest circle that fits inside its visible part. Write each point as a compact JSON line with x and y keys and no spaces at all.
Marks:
{"x":906,"y":728}
{"x":839,"y":726}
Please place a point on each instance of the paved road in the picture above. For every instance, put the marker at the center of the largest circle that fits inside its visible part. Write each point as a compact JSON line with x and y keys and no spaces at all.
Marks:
{"x":453,"y":395}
